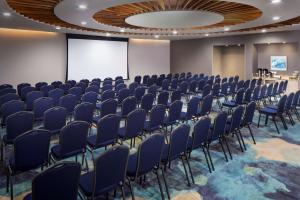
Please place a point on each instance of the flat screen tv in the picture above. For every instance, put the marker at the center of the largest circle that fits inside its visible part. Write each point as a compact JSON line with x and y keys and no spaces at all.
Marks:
{"x":279,"y":63}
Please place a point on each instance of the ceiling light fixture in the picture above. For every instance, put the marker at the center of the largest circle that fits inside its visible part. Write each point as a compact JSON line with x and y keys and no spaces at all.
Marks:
{"x":58,"y":28}
{"x":122,"y":30}
{"x":283,"y":42}
{"x":264,"y":30}
{"x":275,"y":18}
{"x":175,"y":32}
{"x":275,"y":1}
{"x":108,"y":34}
{"x":83,"y":23}
{"x":156,"y":36}
{"x":226,"y":29}
{"x":206,"y":34}
{"x":6,"y":14}
{"x":82,"y":6}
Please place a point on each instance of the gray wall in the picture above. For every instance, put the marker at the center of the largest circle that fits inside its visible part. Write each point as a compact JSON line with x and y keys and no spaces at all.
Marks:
{"x":197,"y":55}
{"x":32,"y":56}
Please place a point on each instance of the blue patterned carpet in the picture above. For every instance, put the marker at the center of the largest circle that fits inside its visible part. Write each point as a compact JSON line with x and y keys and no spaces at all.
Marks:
{"x":268,"y":170}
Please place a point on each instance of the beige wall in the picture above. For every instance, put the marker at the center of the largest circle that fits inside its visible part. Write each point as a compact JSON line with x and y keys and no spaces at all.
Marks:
{"x":31,"y":56}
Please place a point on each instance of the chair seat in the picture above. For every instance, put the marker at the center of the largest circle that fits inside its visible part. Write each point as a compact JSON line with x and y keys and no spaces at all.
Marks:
{"x":230,"y":104}
{"x":274,"y":107}
{"x":28,"y":197}
{"x":132,"y":164}
{"x":268,"y":111}
{"x":148,"y":128}
{"x":55,"y":151}
{"x":92,"y":142}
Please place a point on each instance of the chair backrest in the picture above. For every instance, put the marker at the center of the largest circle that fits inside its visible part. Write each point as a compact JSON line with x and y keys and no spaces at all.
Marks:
{"x":31,"y":97}
{"x":31,"y":150}
{"x":77,"y":91}
{"x":192,"y":108}
{"x":123,"y":93}
{"x":249,"y":113}
{"x":201,"y":84}
{"x":55,"y":119}
{"x":4,"y":86}
{"x":106,"y":87}
{"x":20,"y":86}
{"x":246,"y":84}
{"x":113,"y":160}
{"x":90,"y":97}
{"x":193,"y":86}
{"x":295,"y":99}
{"x":275,"y":88}
{"x":147,"y":101}
{"x":139,"y":93}
{"x":270,"y":90}
{"x":174,"y":84}
{"x":219,"y":126}
{"x":25,"y":91}
{"x":206,"y":90}
{"x":120,"y":86}
{"x":8,"y":97}
{"x":236,"y":119}
{"x":175,"y":111}
{"x":55,"y":95}
{"x":206,"y":105}
{"x":157,"y":115}
{"x":149,"y":154}
{"x":135,"y":123}
{"x":184,"y":87}
{"x":132,"y":87}
{"x":40,"y":84}
{"x":138,"y":79}
{"x":108,"y":129}
{"x":18,"y":123}
{"x":84,"y":112}
{"x":65,"y":87}
{"x":263,"y":91}
{"x":280,"y":87}
{"x":230,"y":80}
{"x":232,"y":87}
{"x":108,"y":106}
{"x":57,"y":182}
{"x":178,"y":141}
{"x":240,"y":85}
{"x":252,"y":84}
{"x":236,"y":78}
{"x":71,"y":82}
{"x":108,"y":94}
{"x":215,"y":89}
{"x":69,"y":102}
{"x":255,"y":93}
{"x":46,"y":88}
{"x":7,"y":91}
{"x":11,"y":107}
{"x":163,"y":98}
{"x":224,"y":88}
{"x":175,"y":95}
{"x":72,"y":137}
{"x":239,"y":96}
{"x":247,"y":95}
{"x":56,"y":84}
{"x":92,"y":88}
{"x":200,"y":132}
{"x":289,"y":101}
{"x":82,"y":85}
{"x":40,"y":106}
{"x":285,"y":85}
{"x":165,"y":84}
{"x":128,"y":105}
{"x":281,"y":104}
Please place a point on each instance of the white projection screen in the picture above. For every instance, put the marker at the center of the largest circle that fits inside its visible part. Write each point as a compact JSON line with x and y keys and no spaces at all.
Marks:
{"x":96,"y":57}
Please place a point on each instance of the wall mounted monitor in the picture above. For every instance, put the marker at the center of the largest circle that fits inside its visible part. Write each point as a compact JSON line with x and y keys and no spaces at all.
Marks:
{"x":279,"y":63}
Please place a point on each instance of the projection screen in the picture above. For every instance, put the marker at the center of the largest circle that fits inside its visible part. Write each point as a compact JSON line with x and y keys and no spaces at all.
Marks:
{"x":96,"y":57}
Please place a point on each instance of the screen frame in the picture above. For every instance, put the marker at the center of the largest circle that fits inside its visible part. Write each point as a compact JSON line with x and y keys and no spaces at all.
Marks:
{"x":93,"y":37}
{"x":286,"y":63}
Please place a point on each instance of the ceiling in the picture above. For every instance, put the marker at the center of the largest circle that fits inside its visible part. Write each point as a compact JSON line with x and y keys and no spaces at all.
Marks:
{"x":160,"y":19}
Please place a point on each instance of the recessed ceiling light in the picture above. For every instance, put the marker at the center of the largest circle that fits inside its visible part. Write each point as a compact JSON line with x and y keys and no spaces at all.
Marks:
{"x":283,"y":42}
{"x":226,"y":29}
{"x":276,"y":1}
{"x":239,"y":45}
{"x":58,"y":28}
{"x":107,"y":34}
{"x":226,"y":45}
{"x":264,"y":30}
{"x":122,"y":30}
{"x":206,"y":34}
{"x":156,"y":36}
{"x":275,"y":18}
{"x":6,"y":14}
{"x":269,"y":43}
{"x":175,"y":32}
{"x":82,"y":6}
{"x":83,"y":23}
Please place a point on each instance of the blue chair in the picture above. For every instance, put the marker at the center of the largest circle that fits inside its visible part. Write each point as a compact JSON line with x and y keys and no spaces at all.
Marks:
{"x":285,"y":85}
{"x":132,"y":87}
{"x":82,"y":85}
{"x":107,"y":133}
{"x":25,"y":91}
{"x":139,"y":93}
{"x":39,"y":85}
{"x":224,"y":90}
{"x":120,"y":87}
{"x":90,"y":97}
{"x":147,"y":159}
{"x":68,"y":102}
{"x":72,"y":142}
{"x":107,"y":107}
{"x":156,"y":119}
{"x":153,"y":90}
{"x":215,"y":92}
{"x":20,"y":86}
{"x":54,"y":119}
{"x":274,"y":113}
{"x":16,"y":124}
{"x":8,"y":97}
{"x":55,"y":95}
{"x":238,"y":100}
{"x":247,"y":96}
{"x":295,"y":104}
{"x":101,"y":180}
{"x":262,"y":95}
{"x":7,"y":91}
{"x":177,"y":149}
{"x":123,"y":94}
{"x":274,"y":91}
{"x":119,"y":78}
{"x":30,"y":152}
{"x":138,"y":79}
{"x":252,"y":84}
{"x":46,"y":88}
{"x":233,"y":127}
{"x":205,"y":91}
{"x":173,"y":115}
{"x":4,"y":86}
{"x":192,"y":108}
{"x":163,"y":98}
{"x":255,"y":95}
{"x":201,"y":85}
{"x":147,"y":102}
{"x":40,"y":106}
{"x":56,"y":84}
{"x":199,"y":138}
{"x":84,"y":112}
{"x":133,"y":127}
{"x":174,"y":85}
{"x":31,"y":97}
{"x":106,"y":87}
{"x":165,"y":85}
{"x":77,"y":91}
{"x":108,"y":94}
{"x":57,"y":182}
{"x":246,"y":84}
{"x":10,"y":108}
{"x":248,"y":118}
{"x":175,"y":96}
{"x":92,"y":88}
{"x":217,"y":134}
{"x":129,"y":104}
{"x":193,"y":87}
{"x":205,"y":106}
{"x":183,"y":87}
{"x":268,"y":94}
{"x":71,"y":82}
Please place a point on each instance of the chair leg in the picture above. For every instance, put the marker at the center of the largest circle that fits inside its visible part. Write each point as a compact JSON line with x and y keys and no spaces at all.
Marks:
{"x":2,"y":150}
{"x":274,"y":120}
{"x":239,"y":142}
{"x":267,"y":119}
{"x":131,"y":189}
{"x":283,"y":121}
{"x":7,"y":182}
{"x":159,"y":184}
{"x":11,"y":187}
{"x":291,"y":118}
{"x":241,"y":136}
{"x":189,"y":166}
{"x":258,"y":120}
{"x":229,"y":151}
{"x":221,"y":143}
{"x":297,"y":114}
{"x":250,"y":130}
{"x":123,"y":193}
{"x":207,"y":162}
{"x":166,"y":185}
{"x":185,"y":171}
{"x":209,"y":156}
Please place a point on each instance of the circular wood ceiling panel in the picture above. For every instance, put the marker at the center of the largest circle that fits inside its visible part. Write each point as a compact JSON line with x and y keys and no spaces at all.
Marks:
{"x":233,"y":13}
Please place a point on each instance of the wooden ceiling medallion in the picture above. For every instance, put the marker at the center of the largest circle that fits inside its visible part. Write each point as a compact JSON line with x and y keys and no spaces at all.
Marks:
{"x":233,"y":13}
